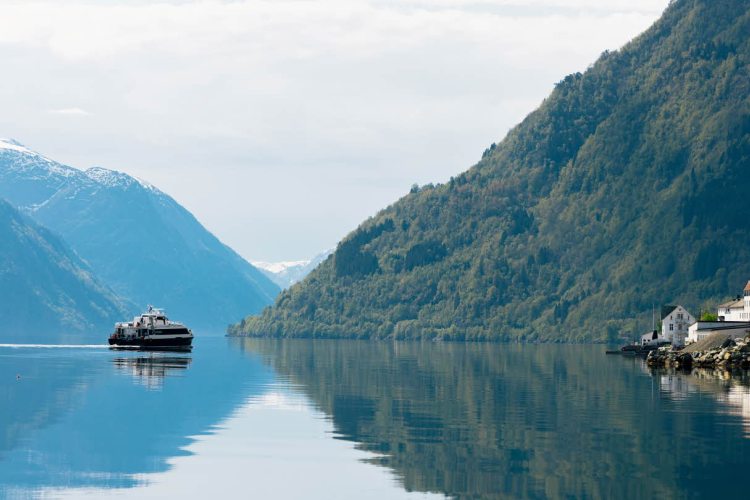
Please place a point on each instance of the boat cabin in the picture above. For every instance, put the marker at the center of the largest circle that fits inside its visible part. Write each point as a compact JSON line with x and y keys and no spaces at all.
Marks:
{"x":150,"y":320}
{"x":650,"y":338}
{"x":153,"y":318}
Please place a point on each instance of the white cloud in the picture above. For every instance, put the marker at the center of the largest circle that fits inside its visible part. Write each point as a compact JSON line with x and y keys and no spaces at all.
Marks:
{"x":69,"y":111}
{"x":333,"y":107}
{"x":260,"y":29}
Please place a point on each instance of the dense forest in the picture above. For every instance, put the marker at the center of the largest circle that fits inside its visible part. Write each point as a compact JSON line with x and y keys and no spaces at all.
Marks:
{"x":627,"y":188}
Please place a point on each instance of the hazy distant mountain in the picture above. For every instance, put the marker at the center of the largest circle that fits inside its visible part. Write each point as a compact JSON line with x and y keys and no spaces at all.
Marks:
{"x":47,"y":294}
{"x":627,"y":187}
{"x":285,"y":274}
{"x":137,"y":239}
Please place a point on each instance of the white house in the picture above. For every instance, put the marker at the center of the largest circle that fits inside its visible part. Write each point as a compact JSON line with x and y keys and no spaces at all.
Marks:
{"x":675,"y":321}
{"x":738,"y":309}
{"x":702,"y":329}
{"x":734,"y":319}
{"x":732,"y":310}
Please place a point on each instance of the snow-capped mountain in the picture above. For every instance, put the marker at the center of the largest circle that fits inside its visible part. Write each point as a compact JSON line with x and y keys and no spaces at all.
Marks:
{"x":136,"y":238}
{"x":285,"y":274}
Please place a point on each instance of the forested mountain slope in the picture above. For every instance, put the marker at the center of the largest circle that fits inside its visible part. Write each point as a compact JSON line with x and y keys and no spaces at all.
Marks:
{"x":628,"y":187}
{"x":46,"y":293}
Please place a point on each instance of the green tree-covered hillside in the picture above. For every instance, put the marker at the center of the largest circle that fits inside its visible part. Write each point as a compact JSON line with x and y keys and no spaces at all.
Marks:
{"x":629,"y":186}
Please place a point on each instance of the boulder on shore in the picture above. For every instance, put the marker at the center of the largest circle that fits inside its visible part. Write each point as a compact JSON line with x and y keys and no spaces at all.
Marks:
{"x":718,"y":351}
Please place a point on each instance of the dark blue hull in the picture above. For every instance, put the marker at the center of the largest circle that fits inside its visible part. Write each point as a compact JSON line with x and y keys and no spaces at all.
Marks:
{"x":152,"y":343}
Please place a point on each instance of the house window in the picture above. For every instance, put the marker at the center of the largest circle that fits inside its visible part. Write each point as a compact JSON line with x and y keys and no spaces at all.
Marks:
{"x":679,"y":315}
{"x":671,"y":327}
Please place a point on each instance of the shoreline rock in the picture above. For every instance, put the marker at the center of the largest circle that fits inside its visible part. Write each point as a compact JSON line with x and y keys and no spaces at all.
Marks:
{"x":733,"y":353}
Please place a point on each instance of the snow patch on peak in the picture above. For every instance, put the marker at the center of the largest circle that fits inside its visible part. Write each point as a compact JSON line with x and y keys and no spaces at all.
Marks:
{"x":287,"y":273}
{"x":14,"y":145}
{"x":109,"y":178}
{"x":24,"y":159}
{"x":147,"y":185}
{"x":280,"y":267}
{"x":113,"y":178}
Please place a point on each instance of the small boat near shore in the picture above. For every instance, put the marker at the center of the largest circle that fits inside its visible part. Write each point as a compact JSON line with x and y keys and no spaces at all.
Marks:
{"x":637,"y":349}
{"x":152,"y":330}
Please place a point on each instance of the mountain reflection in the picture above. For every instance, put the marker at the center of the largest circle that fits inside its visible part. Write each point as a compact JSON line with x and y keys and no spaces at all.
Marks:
{"x":516,"y":421}
{"x":72,"y":420}
{"x":151,"y":370}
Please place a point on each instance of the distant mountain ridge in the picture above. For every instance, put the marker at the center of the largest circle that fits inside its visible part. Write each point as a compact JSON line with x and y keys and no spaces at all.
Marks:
{"x":136,"y":238}
{"x":285,"y":274}
{"x":627,"y":187}
{"x":46,"y":291}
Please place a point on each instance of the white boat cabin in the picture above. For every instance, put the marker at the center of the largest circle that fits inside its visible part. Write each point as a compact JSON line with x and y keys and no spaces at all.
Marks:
{"x":152,"y":319}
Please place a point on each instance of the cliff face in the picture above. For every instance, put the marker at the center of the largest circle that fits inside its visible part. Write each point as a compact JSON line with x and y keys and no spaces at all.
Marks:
{"x":47,"y":294}
{"x":628,"y":187}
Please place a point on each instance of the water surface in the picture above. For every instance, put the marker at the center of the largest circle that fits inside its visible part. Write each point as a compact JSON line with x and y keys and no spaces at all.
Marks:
{"x":358,"y":419}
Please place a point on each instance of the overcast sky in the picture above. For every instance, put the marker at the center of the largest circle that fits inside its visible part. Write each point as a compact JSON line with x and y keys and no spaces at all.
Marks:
{"x":283,"y":124}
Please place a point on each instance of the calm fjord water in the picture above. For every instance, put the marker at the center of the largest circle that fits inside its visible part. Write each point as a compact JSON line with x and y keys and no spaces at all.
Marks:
{"x":356,"y":419}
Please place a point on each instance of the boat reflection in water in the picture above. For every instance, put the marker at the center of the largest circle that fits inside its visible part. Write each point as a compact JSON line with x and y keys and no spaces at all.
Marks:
{"x":150,"y":371}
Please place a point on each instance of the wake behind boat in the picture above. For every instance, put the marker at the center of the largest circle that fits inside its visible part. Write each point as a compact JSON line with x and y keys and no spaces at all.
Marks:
{"x":152,"y":330}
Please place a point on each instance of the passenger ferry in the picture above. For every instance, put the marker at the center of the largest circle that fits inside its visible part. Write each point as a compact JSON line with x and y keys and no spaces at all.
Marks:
{"x":152,"y":330}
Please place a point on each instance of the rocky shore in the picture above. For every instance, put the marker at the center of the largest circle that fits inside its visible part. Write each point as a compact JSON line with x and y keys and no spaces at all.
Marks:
{"x":732,"y":353}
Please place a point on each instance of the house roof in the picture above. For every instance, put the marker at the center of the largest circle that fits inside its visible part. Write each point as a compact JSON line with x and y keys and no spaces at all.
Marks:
{"x":721,"y":325}
{"x":747,"y":287}
{"x":733,"y":304}
{"x":667,"y":310}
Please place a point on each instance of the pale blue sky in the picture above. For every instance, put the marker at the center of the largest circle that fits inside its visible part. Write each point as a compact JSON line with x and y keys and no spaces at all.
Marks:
{"x":283,"y":124}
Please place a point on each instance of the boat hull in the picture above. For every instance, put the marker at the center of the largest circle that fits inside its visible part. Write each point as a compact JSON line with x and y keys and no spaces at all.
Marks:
{"x":152,"y":343}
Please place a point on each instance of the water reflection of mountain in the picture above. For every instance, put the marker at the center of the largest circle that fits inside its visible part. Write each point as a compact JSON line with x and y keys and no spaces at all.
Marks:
{"x":515,"y":421}
{"x":151,"y":370}
{"x":25,"y":403}
{"x":74,"y":420}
